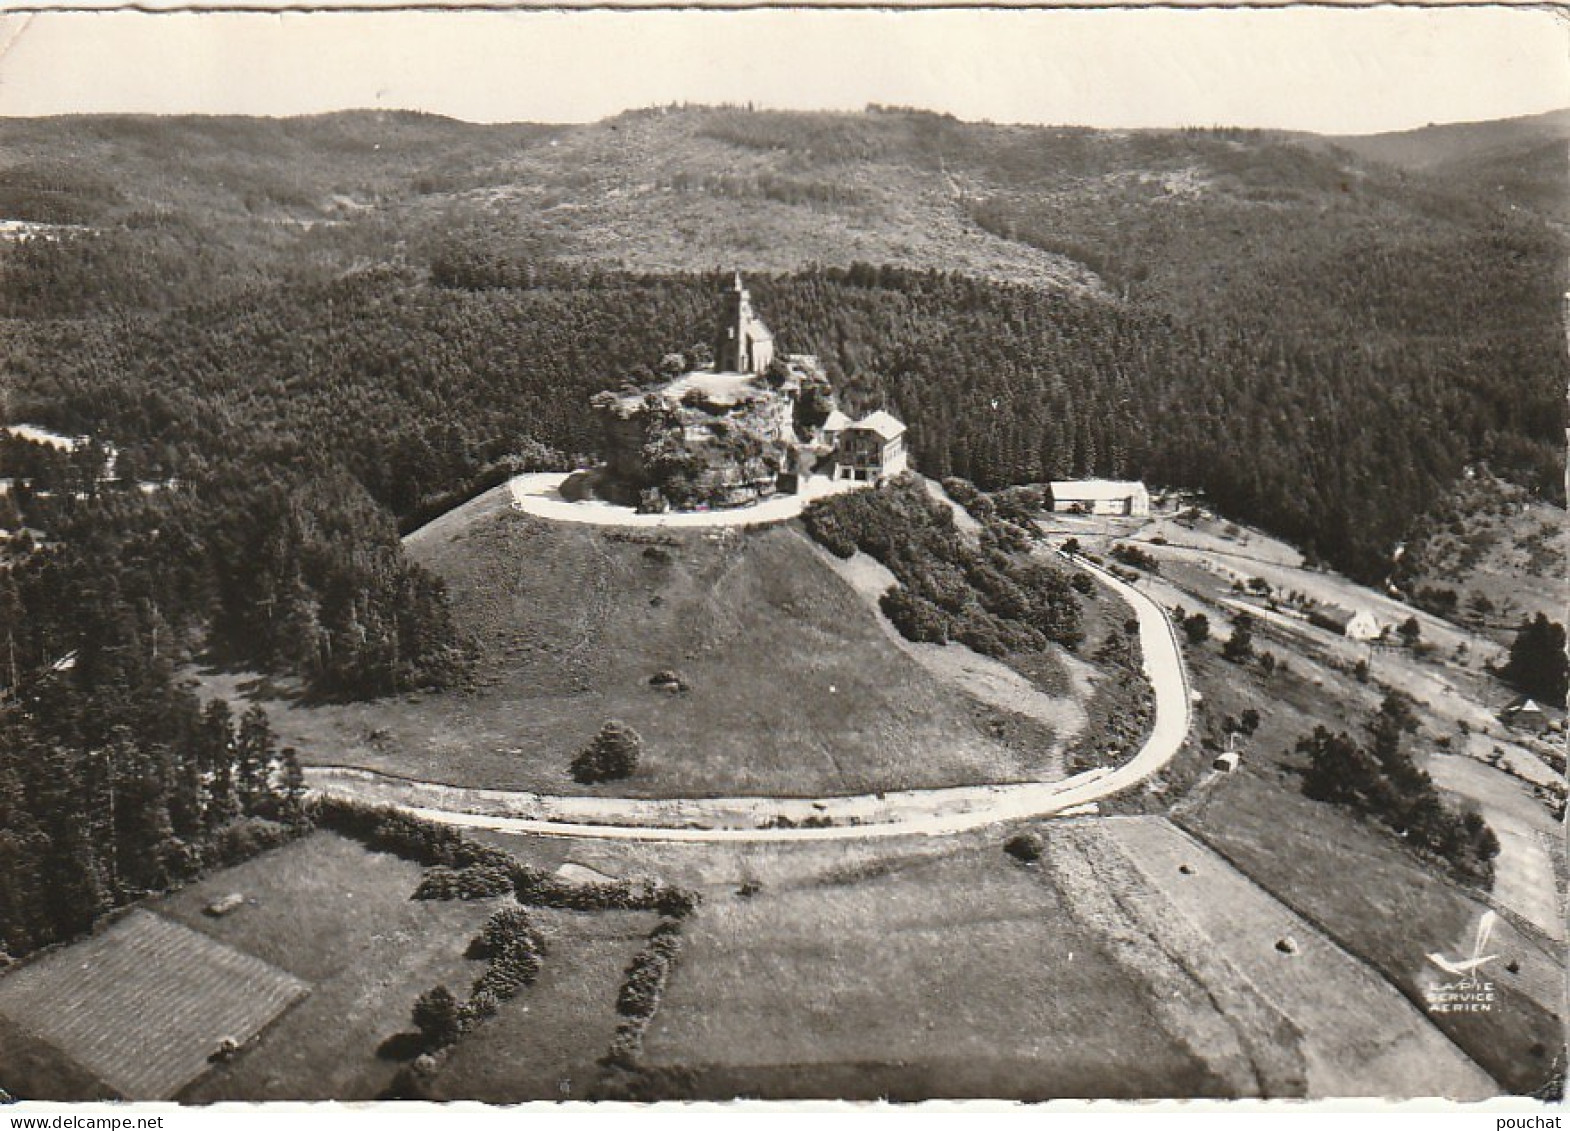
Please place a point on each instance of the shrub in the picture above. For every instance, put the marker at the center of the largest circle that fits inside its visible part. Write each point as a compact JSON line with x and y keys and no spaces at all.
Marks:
{"x":1024,"y":847}
{"x":645,"y":979}
{"x":477,"y":881}
{"x":508,"y":973}
{"x":247,"y":837}
{"x":1196,"y":629}
{"x":962,"y":491}
{"x":506,"y":928}
{"x":1134,"y":556}
{"x":613,"y":754}
{"x":916,"y":619}
{"x":516,"y":949}
{"x":438,"y":1017}
{"x":1240,"y":645}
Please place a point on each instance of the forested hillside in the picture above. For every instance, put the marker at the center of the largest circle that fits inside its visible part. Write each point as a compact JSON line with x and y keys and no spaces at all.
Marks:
{"x":412,"y":387}
{"x":323,"y":328}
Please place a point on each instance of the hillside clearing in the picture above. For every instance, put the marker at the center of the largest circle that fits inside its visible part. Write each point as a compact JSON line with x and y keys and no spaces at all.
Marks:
{"x":1391,"y":915}
{"x":328,"y":909}
{"x":783,"y":993}
{"x":1389,"y":1040}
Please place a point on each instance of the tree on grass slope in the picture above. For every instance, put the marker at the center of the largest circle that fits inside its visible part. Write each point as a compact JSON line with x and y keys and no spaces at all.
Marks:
{"x":612,"y":755}
{"x":1537,"y":664}
{"x":1380,"y":779}
{"x":438,"y":1016}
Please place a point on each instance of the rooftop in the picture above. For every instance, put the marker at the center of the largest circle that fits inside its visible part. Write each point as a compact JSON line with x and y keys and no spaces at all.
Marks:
{"x":884,"y":424}
{"x":1096,"y":488}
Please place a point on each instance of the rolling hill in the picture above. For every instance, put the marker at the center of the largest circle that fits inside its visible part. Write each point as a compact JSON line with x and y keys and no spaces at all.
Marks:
{"x":790,"y":686}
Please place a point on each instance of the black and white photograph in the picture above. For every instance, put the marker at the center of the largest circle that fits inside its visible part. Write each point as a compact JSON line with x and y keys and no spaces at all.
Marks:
{"x":783,"y":554}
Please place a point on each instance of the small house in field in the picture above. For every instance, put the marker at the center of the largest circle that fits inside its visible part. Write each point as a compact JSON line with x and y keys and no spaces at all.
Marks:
{"x":1354,"y":624}
{"x":1226,"y":762}
{"x":1523,"y":711}
{"x":871,"y":449}
{"x":1101,"y":496}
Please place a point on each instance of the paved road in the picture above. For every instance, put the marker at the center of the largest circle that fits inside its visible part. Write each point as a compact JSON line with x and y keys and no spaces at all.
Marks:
{"x":928,"y":812}
{"x":540,"y":494}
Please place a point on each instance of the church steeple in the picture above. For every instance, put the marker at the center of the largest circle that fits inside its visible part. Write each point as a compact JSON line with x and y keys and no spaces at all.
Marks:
{"x":743,"y":344}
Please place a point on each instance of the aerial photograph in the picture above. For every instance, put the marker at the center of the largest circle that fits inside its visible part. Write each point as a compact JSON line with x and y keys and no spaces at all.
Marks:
{"x":615,"y":555}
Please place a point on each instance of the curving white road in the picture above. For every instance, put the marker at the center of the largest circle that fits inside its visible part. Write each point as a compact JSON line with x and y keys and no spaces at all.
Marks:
{"x":539,"y":494}
{"x":923,"y":812}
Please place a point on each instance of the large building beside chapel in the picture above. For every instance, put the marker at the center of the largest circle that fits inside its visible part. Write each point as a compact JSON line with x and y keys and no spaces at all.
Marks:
{"x":751,"y":425}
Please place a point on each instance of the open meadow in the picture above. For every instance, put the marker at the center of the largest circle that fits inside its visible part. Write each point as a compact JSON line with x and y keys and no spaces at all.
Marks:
{"x":311,"y":975}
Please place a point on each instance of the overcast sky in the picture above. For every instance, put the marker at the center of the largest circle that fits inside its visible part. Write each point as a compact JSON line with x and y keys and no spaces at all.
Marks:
{"x":1334,"y":72}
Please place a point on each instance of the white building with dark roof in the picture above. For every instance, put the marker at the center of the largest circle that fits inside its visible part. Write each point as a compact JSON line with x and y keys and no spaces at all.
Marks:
{"x":1101,"y":496}
{"x":871,"y":449}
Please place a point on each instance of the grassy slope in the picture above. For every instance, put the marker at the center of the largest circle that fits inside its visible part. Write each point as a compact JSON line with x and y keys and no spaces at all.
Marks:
{"x":1355,"y":881}
{"x":330,"y":911}
{"x":1493,"y":539}
{"x":333,"y":914}
{"x":544,"y":1044}
{"x":922,"y":975}
{"x":31,"y":1069}
{"x":794,"y":687}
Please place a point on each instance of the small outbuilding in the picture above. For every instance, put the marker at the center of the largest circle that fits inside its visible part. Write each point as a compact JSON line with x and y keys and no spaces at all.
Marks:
{"x":218,"y":908}
{"x":1101,"y":496}
{"x":1522,"y":711}
{"x":1226,"y":762}
{"x":1354,"y":624}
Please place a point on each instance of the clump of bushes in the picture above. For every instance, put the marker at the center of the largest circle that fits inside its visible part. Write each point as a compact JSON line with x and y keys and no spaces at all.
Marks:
{"x":642,"y":987}
{"x":516,"y":950}
{"x":386,"y":829}
{"x":990,"y":598}
{"x":1381,"y":780}
{"x":1133,"y":556}
{"x":247,"y":837}
{"x":1239,"y":647}
{"x":438,"y":1016}
{"x":476,"y":881}
{"x":612,"y":755}
{"x":538,"y":888}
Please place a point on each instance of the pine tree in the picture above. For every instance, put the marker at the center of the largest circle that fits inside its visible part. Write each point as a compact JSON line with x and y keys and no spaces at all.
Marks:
{"x":1537,"y":664}
{"x":256,"y":755}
